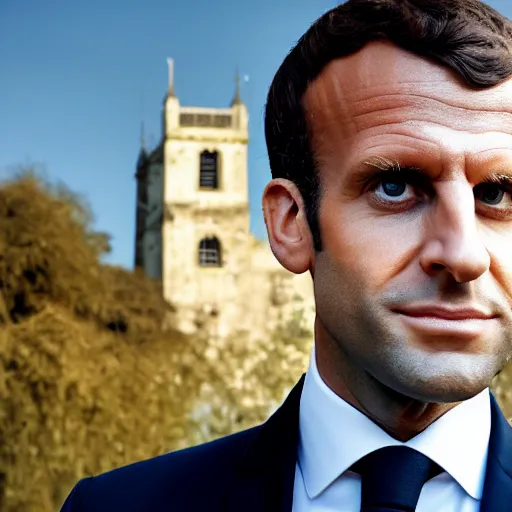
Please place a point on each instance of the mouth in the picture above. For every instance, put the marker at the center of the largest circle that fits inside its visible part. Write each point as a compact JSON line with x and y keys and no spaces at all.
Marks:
{"x":465,"y":323}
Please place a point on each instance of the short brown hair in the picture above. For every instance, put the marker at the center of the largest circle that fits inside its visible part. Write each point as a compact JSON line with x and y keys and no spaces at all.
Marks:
{"x":469,"y":36}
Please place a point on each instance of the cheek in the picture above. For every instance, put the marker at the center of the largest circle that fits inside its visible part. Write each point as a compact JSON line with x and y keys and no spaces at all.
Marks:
{"x":369,"y":247}
{"x":499,"y":247}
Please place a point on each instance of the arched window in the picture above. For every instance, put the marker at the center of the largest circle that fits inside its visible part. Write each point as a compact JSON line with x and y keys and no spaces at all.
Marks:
{"x":209,"y":170}
{"x":210,"y":252}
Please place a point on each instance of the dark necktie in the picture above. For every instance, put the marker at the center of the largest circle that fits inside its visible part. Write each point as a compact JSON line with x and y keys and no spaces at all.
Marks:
{"x":392,"y":478}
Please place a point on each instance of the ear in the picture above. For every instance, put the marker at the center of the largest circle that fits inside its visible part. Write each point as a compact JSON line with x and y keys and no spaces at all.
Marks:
{"x":287,"y":227}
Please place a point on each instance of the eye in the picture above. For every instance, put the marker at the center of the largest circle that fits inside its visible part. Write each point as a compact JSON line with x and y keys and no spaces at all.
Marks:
{"x":393,"y":189}
{"x":493,"y":198}
{"x":398,"y":189}
{"x":490,"y":193}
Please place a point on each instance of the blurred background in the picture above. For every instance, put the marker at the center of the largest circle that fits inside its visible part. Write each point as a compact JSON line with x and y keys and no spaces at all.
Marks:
{"x":141,"y":309}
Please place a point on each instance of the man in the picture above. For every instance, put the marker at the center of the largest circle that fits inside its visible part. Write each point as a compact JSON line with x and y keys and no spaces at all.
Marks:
{"x":389,"y":131}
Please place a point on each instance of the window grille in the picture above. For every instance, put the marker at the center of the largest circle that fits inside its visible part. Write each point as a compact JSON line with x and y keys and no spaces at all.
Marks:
{"x":209,"y":252}
{"x":209,"y":170}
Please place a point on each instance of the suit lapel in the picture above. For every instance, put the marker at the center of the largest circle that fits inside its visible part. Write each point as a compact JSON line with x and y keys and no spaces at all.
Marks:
{"x":497,"y":494}
{"x":265,"y":475}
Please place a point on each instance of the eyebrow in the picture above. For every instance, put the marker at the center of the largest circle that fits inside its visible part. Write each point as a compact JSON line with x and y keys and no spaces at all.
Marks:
{"x":366,"y":168}
{"x":500,"y":179}
{"x":385,"y":164}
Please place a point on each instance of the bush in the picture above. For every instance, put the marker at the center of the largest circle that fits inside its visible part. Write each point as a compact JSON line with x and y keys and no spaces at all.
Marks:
{"x":91,"y":378}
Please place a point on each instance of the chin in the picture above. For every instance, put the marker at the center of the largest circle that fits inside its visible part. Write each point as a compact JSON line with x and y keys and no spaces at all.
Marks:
{"x":441,"y":378}
{"x":446,"y":392}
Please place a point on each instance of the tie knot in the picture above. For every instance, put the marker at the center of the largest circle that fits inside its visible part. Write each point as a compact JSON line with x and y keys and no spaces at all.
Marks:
{"x":392,"y":478}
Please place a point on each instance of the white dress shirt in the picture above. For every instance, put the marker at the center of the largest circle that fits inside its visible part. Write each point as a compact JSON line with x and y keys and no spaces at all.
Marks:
{"x":334,"y":435}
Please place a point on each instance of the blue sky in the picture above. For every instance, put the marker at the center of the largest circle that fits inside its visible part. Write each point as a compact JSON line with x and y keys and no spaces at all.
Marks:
{"x":77,"y":79}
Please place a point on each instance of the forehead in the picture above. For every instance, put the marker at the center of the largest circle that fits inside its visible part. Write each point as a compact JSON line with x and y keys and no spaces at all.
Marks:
{"x":383,"y":90}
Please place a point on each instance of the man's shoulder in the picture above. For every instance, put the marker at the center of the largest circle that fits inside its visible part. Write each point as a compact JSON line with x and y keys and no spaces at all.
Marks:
{"x":187,"y":477}
{"x":219,"y":454}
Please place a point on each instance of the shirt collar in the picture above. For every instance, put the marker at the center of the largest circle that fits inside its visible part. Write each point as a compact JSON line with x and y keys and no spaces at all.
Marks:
{"x":334,"y":435}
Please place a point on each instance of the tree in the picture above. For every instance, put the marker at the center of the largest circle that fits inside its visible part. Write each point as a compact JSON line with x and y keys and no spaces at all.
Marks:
{"x":92,"y":377}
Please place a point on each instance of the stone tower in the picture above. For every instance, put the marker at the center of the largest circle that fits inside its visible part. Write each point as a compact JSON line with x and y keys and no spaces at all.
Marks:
{"x":192,"y":226}
{"x":193,"y":207}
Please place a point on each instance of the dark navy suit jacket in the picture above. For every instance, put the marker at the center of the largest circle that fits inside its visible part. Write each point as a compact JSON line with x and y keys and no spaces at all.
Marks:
{"x":252,"y":471}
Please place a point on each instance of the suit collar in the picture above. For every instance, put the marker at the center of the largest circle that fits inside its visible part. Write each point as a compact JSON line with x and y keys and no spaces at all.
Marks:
{"x":497,"y":495}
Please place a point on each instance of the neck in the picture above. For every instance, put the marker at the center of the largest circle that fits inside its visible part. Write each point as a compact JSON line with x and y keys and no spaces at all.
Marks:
{"x":402,"y":417}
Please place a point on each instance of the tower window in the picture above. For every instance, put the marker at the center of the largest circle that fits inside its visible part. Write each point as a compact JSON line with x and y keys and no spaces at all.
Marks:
{"x":209,"y":170}
{"x":209,"y":252}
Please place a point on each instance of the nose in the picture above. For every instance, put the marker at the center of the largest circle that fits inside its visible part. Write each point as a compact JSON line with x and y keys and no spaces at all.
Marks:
{"x":453,"y":242}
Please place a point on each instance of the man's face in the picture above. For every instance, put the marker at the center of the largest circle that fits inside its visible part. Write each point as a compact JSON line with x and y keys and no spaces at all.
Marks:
{"x":414,"y":283}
